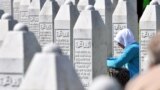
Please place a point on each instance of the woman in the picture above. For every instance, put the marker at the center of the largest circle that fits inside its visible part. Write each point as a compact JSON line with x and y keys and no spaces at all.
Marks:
{"x":130,"y":56}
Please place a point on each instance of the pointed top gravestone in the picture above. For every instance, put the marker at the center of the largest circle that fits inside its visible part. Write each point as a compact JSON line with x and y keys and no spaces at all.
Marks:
{"x":16,"y":53}
{"x":24,"y":4}
{"x":89,"y":45}
{"x":51,"y":70}
{"x":149,"y":25}
{"x":34,"y":10}
{"x":46,"y":21}
{"x":63,"y":27}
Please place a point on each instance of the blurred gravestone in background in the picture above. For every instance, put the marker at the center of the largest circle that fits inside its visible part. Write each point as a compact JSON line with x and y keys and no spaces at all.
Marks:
{"x":16,"y":53}
{"x":149,"y":25}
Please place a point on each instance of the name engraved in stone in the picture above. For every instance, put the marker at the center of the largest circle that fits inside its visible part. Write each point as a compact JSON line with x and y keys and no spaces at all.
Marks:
{"x":46,"y":33}
{"x":62,"y":38}
{"x":10,"y":80}
{"x":116,"y":28}
{"x":34,"y":24}
{"x":83,"y":60}
{"x":146,"y":36}
{"x":24,"y":17}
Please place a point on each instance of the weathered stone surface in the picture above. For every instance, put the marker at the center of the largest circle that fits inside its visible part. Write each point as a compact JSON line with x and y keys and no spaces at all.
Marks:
{"x":105,"y":8}
{"x":16,"y":53}
{"x":16,"y":7}
{"x":34,"y":10}
{"x":51,"y":70}
{"x":149,"y":25}
{"x":24,"y":14}
{"x":124,"y":16}
{"x":63,"y":28}
{"x":46,"y":21}
{"x":89,"y":45}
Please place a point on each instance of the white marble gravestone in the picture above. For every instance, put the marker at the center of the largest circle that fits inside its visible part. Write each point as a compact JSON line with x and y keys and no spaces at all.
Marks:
{"x":46,"y":22}
{"x":33,"y":17}
{"x":5,"y":26}
{"x":89,"y":45}
{"x":16,"y":7}
{"x":124,"y":16}
{"x":7,"y":6}
{"x":149,"y":25}
{"x":83,"y":3}
{"x":23,"y":10}
{"x":51,"y":70}
{"x":105,"y":8}
{"x":16,"y":53}
{"x":63,"y":27}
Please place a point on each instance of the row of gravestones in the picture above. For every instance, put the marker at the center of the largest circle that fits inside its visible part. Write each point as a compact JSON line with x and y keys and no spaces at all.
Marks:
{"x":84,"y":35}
{"x":48,"y":70}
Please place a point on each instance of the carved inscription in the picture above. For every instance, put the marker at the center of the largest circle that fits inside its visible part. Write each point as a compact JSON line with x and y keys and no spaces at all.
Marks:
{"x":146,"y":35}
{"x":34,"y":24}
{"x":46,"y":33}
{"x":83,"y":60}
{"x":62,"y":38}
{"x":24,"y":14}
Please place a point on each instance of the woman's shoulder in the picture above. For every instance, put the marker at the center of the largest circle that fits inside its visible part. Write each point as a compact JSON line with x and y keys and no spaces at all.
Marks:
{"x":134,"y":46}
